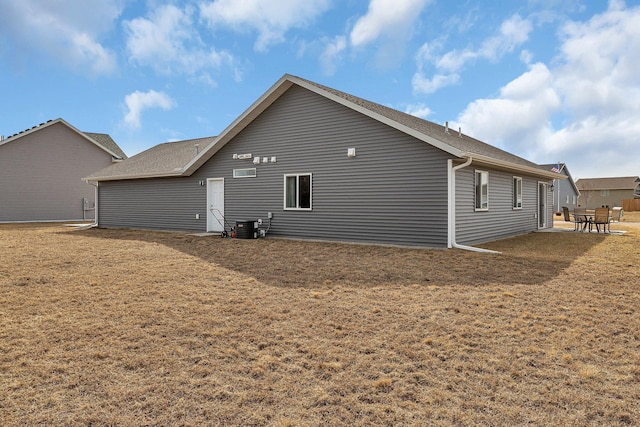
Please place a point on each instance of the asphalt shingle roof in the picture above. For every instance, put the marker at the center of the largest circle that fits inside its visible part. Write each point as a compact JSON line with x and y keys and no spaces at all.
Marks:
{"x":452,"y":137}
{"x":178,"y":158}
{"x":161,"y":159}
{"x":107,"y":142}
{"x":614,"y":183}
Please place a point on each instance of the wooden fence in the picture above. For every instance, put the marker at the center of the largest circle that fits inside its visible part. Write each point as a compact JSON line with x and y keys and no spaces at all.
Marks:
{"x":631,"y":205}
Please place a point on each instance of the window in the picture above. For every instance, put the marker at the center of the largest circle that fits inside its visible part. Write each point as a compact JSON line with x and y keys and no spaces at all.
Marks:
{"x":244,"y":173}
{"x":297,"y":191}
{"x":482,"y":190}
{"x":517,"y":192}
{"x":604,"y":193}
{"x":574,"y":200}
{"x":567,"y":199}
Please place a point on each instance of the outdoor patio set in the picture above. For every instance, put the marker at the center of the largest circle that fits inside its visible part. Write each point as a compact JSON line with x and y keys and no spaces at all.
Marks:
{"x":584,"y":219}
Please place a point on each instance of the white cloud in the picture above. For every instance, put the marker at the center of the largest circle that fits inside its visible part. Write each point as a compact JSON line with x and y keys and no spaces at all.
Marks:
{"x":270,"y":18}
{"x":513,"y":33}
{"x":389,"y":25}
{"x":423,"y":84}
{"x":518,"y":118}
{"x":332,"y":53}
{"x":584,"y":110}
{"x":425,"y":56}
{"x":137,"y":102}
{"x":68,"y":31}
{"x":418,"y":110}
{"x":386,"y":18}
{"x":167,"y":41}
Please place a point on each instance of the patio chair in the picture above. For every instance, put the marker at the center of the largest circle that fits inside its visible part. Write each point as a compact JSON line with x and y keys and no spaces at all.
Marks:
{"x":567,"y":217}
{"x":602,"y":217}
{"x":616,"y":213}
{"x":579,"y":220}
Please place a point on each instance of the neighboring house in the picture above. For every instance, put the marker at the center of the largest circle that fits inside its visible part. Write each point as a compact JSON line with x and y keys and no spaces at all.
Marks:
{"x":565,"y":191}
{"x":327,"y":165}
{"x":596,"y":192}
{"x":41,"y":171}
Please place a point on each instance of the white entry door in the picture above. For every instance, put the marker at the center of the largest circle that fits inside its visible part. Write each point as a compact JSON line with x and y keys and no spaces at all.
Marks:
{"x":542,"y":205}
{"x":215,"y":204}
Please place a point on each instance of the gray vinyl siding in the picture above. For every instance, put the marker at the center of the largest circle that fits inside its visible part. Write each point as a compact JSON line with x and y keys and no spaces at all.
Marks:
{"x":41,"y":175}
{"x":592,"y":199}
{"x":166,"y":204}
{"x":394,"y":191}
{"x":501,"y":220}
{"x":563,"y":188}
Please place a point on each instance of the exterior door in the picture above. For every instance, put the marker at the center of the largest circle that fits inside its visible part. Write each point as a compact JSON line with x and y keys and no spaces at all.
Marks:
{"x":215,"y":204}
{"x":542,"y":205}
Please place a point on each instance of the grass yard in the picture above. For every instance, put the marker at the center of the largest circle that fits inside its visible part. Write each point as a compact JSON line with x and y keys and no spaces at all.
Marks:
{"x":120,"y":327}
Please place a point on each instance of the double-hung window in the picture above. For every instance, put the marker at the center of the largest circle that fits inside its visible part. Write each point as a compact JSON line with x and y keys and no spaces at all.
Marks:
{"x":482,"y":190}
{"x":297,"y":191}
{"x":517,"y":192}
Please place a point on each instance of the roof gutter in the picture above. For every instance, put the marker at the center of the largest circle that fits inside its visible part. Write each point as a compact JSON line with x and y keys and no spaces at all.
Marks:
{"x":515,"y":167}
{"x":451,"y":203}
{"x":140,"y":176}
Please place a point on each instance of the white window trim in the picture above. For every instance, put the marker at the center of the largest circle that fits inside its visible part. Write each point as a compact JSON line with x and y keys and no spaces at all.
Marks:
{"x":284,"y":188}
{"x":519,"y":179}
{"x":255,"y":173}
{"x":475,"y":176}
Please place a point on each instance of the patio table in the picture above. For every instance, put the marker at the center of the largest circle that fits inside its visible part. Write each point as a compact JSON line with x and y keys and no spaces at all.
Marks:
{"x":588,"y":220}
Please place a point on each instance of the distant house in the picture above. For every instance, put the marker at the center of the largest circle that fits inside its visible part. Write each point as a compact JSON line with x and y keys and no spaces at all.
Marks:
{"x":316,"y":163}
{"x":565,"y":191}
{"x":596,"y":192}
{"x":41,"y":171}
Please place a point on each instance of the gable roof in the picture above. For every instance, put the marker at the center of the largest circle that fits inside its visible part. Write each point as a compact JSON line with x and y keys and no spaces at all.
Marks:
{"x":107,"y":142}
{"x":563,"y":169}
{"x":101,"y":140}
{"x":457,"y":144}
{"x":613,"y":183}
{"x":453,"y":142}
{"x":165,"y":159}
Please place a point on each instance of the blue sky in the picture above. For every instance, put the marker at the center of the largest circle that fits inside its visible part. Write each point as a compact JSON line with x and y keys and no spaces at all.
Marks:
{"x":549,"y":80}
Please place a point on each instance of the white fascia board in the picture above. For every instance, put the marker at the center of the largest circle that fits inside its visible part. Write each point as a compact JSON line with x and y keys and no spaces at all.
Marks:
{"x":88,"y":138}
{"x":53,"y":122}
{"x":383,"y":119}
{"x":248,"y":116}
{"x":34,"y":129}
{"x":515,"y":167}
{"x":126,"y":177}
{"x":271,"y":95}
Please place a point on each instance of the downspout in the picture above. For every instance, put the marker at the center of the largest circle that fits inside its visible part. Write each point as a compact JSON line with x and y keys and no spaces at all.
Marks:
{"x":95,"y":206}
{"x":451,"y":235}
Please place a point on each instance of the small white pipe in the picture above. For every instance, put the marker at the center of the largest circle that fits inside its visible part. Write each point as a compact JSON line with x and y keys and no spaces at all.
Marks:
{"x":451,"y":239}
{"x":95,"y":203}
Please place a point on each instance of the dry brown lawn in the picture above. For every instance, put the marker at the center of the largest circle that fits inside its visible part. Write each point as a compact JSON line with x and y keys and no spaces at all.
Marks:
{"x":120,"y":327}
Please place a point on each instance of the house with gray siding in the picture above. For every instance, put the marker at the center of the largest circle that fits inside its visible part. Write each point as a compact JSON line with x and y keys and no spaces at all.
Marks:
{"x":41,"y":171}
{"x":610,"y":191}
{"x":565,"y":191}
{"x":320,"y":164}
